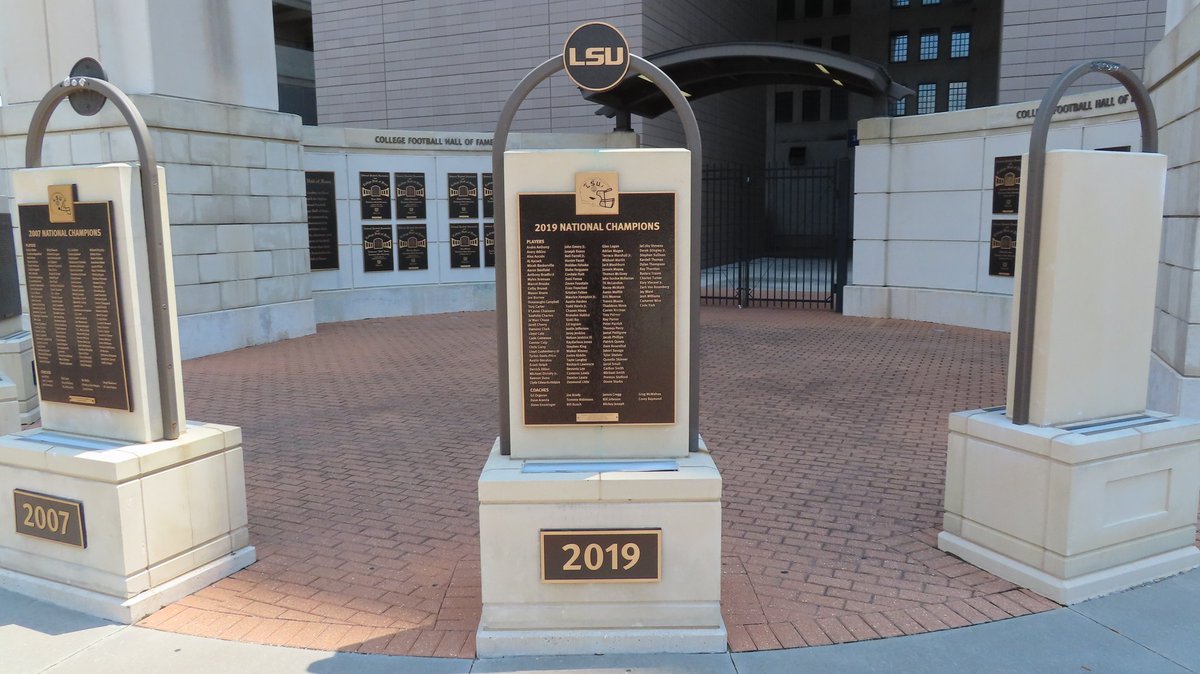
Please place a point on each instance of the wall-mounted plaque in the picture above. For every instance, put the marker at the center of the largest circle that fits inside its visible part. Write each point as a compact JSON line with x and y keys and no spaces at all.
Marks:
{"x":377,"y":248}
{"x":322,"y":220}
{"x":489,"y":244}
{"x":1006,"y":185}
{"x":410,"y":196}
{"x":75,"y":306}
{"x":489,"y":197}
{"x":49,"y":517}
{"x":1002,"y":257}
{"x":412,"y":246}
{"x":602,"y":556}
{"x":598,"y":310}
{"x":463,"y":195}
{"x":464,"y":245}
{"x":375,"y":192}
{"x":10,"y":283}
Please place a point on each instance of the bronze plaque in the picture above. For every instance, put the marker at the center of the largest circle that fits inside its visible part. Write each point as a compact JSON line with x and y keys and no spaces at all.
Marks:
{"x":601,"y":556}
{"x":463,"y":195}
{"x":1006,"y":185}
{"x":464,"y":245}
{"x":410,"y":196}
{"x":597,"y":310}
{"x":322,"y":220}
{"x":489,"y":244}
{"x":412,"y":246}
{"x":377,"y":248}
{"x":375,"y":193}
{"x":596,"y":56}
{"x":49,"y":517}
{"x":10,"y":283}
{"x":489,"y":196}
{"x":1002,"y":257}
{"x":75,"y":307}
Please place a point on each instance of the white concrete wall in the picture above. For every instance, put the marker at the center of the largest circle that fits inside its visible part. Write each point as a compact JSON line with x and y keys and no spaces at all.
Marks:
{"x":923,"y":206}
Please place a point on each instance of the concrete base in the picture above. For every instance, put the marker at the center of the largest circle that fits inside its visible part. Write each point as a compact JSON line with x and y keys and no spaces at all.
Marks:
{"x":10,"y":411}
{"x":522,"y":615}
{"x":220,"y":331}
{"x":16,"y":364}
{"x":162,"y":519}
{"x":335,"y":306}
{"x":130,"y":610}
{"x":985,"y":311}
{"x":1172,"y":392}
{"x":1073,"y":512}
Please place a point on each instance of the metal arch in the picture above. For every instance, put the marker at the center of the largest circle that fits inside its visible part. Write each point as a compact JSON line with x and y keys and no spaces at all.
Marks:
{"x":151,"y":208}
{"x":691,"y":129}
{"x":1034,"y":196}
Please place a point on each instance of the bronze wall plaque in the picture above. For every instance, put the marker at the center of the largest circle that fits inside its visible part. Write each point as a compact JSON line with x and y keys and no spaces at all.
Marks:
{"x":49,"y":517}
{"x":597,"y":310}
{"x":377,"y":248}
{"x":464,"y":245}
{"x":10,"y":283}
{"x":1006,"y":185}
{"x":410,"y":196}
{"x":489,"y":244}
{"x":596,"y":56}
{"x":75,"y":306}
{"x":375,"y":192}
{"x":1002,"y":253}
{"x":322,"y":220}
{"x":489,"y":197}
{"x":412,"y":246}
{"x":601,"y":556}
{"x":463,"y":195}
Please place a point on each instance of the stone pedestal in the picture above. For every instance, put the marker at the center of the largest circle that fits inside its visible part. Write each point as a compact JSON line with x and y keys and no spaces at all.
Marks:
{"x":10,"y":411}
{"x":522,"y":615}
{"x":1076,"y":511}
{"x":162,"y":519}
{"x":16,"y":365}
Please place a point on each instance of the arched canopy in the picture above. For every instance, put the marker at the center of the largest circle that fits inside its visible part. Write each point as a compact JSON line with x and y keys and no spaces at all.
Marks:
{"x":703,"y":70}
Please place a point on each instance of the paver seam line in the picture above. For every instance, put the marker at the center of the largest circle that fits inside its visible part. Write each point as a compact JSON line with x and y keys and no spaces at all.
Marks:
{"x":77,"y":652}
{"x":1131,"y":640}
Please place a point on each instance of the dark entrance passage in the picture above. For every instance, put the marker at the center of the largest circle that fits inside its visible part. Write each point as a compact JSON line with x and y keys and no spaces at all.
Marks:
{"x":776,"y":236}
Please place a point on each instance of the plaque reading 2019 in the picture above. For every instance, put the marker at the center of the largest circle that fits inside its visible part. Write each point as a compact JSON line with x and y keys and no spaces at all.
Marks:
{"x":598,"y":310}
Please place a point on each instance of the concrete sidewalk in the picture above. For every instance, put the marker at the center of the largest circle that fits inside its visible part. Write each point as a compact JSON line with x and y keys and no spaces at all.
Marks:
{"x":1154,"y":628}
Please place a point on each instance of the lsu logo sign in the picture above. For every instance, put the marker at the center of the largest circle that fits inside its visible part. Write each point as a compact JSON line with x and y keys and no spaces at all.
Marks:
{"x":596,"y":56}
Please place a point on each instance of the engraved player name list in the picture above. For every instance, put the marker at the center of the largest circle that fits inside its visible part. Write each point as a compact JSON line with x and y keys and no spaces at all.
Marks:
{"x":598,"y":310}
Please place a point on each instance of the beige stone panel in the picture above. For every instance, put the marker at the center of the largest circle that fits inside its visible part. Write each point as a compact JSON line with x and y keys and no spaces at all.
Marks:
{"x":614,"y":615}
{"x":956,"y":460}
{"x":168,"y":516}
{"x":996,"y":474}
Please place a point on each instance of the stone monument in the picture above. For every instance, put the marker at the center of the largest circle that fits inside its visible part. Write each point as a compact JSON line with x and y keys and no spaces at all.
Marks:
{"x":116,"y":506}
{"x":18,"y":394}
{"x":1074,"y":489}
{"x":600,"y":506}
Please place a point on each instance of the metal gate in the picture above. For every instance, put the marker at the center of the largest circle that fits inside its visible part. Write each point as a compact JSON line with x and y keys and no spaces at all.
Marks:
{"x":775,"y":236}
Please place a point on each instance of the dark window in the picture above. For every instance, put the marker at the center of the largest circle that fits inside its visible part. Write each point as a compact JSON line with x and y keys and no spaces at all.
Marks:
{"x":900,"y":107}
{"x":899,"y":3}
{"x":960,"y":43}
{"x":797,"y":155}
{"x":841,"y":7}
{"x":957,"y":96}
{"x":900,"y":48}
{"x":783,"y":107}
{"x":840,"y":43}
{"x":813,"y":8}
{"x":929,"y":45}
{"x":785,"y":10}
{"x":931,"y":2}
{"x":839,"y":104}
{"x":926,"y":98}
{"x":812,"y":42}
{"x":810,"y":105}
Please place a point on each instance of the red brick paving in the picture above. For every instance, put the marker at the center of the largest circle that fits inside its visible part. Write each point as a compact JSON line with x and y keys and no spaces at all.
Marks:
{"x":363,"y":444}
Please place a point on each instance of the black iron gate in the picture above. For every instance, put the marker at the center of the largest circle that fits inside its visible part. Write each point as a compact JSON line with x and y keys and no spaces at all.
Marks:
{"x":775,"y":236}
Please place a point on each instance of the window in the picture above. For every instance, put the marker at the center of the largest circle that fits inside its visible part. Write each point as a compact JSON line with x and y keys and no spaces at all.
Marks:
{"x":926,"y":98}
{"x":957,"y":99}
{"x":797,"y":156}
{"x":839,"y":105}
{"x":783,"y":107}
{"x":841,"y":7}
{"x":785,"y":10}
{"x":810,"y":105}
{"x":900,"y":48}
{"x":813,"y":8}
{"x":929,"y":45}
{"x":960,"y":43}
{"x":840,"y":43}
{"x":899,"y":3}
{"x":812,"y":42}
{"x":899,"y":107}
{"x":931,"y":2}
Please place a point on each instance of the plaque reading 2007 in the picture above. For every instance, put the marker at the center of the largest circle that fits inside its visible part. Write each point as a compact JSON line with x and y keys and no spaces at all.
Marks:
{"x":598,"y":310}
{"x":75,"y":306}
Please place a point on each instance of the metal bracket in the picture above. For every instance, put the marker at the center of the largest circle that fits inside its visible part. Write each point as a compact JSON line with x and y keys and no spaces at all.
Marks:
{"x":691,"y":130}
{"x":86,"y":90}
{"x":1034,"y":195}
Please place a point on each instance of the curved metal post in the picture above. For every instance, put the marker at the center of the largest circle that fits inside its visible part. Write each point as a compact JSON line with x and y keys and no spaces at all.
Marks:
{"x":151,"y":209}
{"x":1034,"y":195}
{"x":691,"y":129}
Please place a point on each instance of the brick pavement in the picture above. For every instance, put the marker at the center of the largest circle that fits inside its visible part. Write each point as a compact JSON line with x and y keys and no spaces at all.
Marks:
{"x":364,"y":441}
